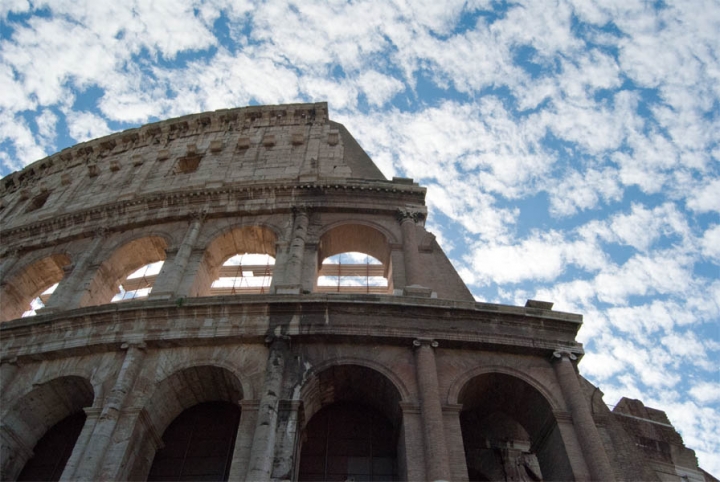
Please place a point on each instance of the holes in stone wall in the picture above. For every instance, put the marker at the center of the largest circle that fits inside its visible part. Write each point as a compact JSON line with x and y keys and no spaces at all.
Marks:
{"x":186,"y":165}
{"x":244,"y":274}
{"x":38,"y":201}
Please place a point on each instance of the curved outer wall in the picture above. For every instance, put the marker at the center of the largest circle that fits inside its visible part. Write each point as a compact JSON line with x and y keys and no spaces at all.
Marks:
{"x":284,"y":181}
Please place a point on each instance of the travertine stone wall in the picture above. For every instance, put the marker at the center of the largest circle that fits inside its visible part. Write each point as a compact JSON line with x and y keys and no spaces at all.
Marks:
{"x":285,"y":181}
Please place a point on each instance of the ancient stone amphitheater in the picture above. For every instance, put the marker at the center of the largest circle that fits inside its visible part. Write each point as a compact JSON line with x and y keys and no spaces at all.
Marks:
{"x":186,"y":301}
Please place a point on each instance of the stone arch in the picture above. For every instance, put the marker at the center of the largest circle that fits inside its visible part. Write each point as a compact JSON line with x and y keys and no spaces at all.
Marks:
{"x":251,"y":238}
{"x":81,"y":369}
{"x":36,"y":412}
{"x":460,"y":382}
{"x":358,"y":237}
{"x":352,"y":406}
{"x":355,"y":235}
{"x":28,"y":281}
{"x":394,"y":378}
{"x":181,"y":390}
{"x":207,"y":360}
{"x":510,"y":430}
{"x":334,"y":381}
{"x":125,"y":258}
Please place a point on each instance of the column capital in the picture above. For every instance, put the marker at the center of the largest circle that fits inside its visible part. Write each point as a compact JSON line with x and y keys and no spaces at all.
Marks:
{"x":302,"y":210}
{"x":140,"y":345}
{"x":10,"y":253}
{"x":10,"y":361}
{"x":100,"y":231}
{"x":559,"y":354}
{"x":198,"y":214}
{"x":403,"y":215}
{"x":272,"y":339}
{"x":418,"y":342}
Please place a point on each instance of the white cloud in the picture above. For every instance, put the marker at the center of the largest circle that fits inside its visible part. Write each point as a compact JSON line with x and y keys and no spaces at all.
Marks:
{"x":86,"y":125}
{"x":706,"y":198}
{"x":705,"y":392}
{"x":711,"y":242}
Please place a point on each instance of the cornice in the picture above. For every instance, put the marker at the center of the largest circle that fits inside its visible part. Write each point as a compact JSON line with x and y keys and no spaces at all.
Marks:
{"x":381,"y":196}
{"x":322,"y":318}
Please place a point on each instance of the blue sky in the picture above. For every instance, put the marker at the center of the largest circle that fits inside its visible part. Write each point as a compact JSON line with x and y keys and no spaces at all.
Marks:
{"x":571,"y":149}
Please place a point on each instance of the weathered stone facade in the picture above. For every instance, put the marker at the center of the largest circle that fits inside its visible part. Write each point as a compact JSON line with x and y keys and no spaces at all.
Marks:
{"x":448,"y":388}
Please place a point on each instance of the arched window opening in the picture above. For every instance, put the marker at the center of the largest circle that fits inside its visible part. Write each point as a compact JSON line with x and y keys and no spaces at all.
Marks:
{"x":20,"y":293}
{"x":128,"y":273}
{"x":40,"y":301}
{"x":352,"y":272}
{"x":349,"y":441}
{"x":47,"y":420}
{"x":510,"y":432}
{"x":139,"y":283}
{"x":353,"y":428}
{"x":354,"y":258}
{"x":53,"y":450}
{"x":198,"y":444}
{"x":234,"y":255}
{"x":246,"y":273}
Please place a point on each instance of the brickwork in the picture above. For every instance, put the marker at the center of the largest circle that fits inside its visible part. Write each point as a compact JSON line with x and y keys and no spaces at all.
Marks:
{"x":287,"y":182}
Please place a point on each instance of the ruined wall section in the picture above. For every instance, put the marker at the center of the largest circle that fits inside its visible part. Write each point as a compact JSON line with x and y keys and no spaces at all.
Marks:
{"x":202,"y":151}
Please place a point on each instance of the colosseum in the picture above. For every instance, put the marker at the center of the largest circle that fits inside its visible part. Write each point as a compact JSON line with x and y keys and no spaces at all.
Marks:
{"x":242,"y":295}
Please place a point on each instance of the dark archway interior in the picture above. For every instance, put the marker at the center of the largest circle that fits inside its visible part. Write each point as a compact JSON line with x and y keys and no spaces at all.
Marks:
{"x":510,"y":432}
{"x":349,"y":441}
{"x":53,"y":450}
{"x":198,"y":444}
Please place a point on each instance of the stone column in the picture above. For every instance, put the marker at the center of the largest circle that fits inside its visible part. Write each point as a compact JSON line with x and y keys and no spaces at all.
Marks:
{"x":263,"y":444}
{"x":66,"y":296}
{"x":436,"y":456}
{"x":100,"y":439}
{"x":8,"y":262}
{"x":587,"y":432}
{"x":170,"y":276}
{"x":407,"y":221}
{"x":243,"y":441}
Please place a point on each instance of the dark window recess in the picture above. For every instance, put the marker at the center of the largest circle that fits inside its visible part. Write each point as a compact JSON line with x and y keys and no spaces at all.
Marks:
{"x":349,"y":441}
{"x":186,"y":165}
{"x":198,"y":444}
{"x":37,"y":202}
{"x":53,"y":450}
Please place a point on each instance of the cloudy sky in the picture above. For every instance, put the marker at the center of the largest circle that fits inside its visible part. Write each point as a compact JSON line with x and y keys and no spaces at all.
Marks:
{"x":570,"y":148}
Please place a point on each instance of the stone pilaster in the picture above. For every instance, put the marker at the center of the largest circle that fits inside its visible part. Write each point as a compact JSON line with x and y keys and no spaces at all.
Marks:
{"x":244,"y":439}
{"x":100,"y":439}
{"x":262,"y":453}
{"x":453,"y":438}
{"x":81,"y":445}
{"x":407,"y":220}
{"x":436,"y":455}
{"x":588,"y":435}
{"x":9,"y":261}
{"x":69,"y":292}
{"x":288,"y":438}
{"x":171,"y":274}
{"x":8,"y":369}
{"x":294,"y":262}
